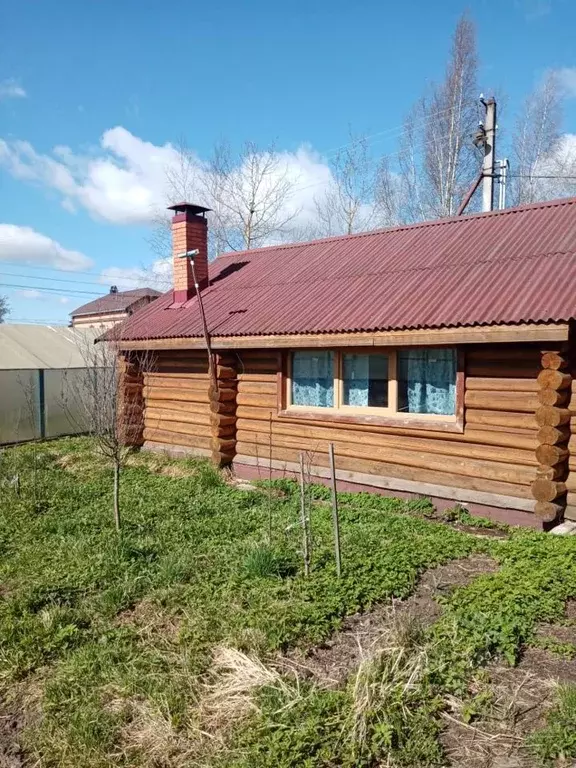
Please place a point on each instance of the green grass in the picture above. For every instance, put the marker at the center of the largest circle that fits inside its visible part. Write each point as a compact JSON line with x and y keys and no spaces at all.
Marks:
{"x":110,"y":639}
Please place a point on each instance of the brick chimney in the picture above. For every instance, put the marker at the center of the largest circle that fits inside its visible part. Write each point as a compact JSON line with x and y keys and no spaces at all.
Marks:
{"x":189,"y":233}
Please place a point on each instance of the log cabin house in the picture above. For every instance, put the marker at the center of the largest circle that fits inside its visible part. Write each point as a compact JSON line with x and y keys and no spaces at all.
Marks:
{"x":437,"y":357}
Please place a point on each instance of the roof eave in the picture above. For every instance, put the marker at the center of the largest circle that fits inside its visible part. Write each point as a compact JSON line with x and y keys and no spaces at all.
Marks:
{"x":473,"y":334}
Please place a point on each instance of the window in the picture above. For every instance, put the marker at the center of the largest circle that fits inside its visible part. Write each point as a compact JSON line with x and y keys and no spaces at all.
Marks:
{"x":365,"y":380}
{"x":419,"y":383}
{"x":427,"y":381}
{"x":313,"y":379}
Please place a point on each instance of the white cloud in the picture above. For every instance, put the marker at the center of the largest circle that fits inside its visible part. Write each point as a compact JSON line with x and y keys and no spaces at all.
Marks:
{"x":11,"y":89}
{"x":33,"y":294}
{"x":26,"y":246}
{"x":567,"y":80}
{"x":124,"y":180}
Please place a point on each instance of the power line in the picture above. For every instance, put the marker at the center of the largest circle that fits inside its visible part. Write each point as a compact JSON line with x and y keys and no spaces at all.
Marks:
{"x":533,"y":176}
{"x":67,"y":271}
{"x":49,"y":290}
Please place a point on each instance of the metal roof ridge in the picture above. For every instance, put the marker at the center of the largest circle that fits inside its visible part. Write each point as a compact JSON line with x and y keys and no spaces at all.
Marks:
{"x":401,"y":227}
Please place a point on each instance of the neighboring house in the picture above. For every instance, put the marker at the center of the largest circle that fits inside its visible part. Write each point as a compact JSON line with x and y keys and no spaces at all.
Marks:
{"x":115,"y":306}
{"x":435,"y":356}
{"x":36,"y":364}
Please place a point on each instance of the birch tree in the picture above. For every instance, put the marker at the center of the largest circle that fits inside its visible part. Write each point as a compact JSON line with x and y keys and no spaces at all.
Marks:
{"x":361,"y":195}
{"x":250,"y":194}
{"x":537,"y":144}
{"x":437,"y":158}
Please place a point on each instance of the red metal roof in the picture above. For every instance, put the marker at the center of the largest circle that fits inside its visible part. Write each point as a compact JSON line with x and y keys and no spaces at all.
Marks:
{"x":114,"y":302}
{"x":511,"y":266}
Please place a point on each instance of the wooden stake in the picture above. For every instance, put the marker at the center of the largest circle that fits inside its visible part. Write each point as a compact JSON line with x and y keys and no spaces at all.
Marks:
{"x":303,"y":518}
{"x":335,"y":517}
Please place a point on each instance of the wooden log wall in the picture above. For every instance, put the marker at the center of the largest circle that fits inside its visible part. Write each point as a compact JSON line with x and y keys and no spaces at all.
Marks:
{"x":553,"y":418}
{"x":176,"y":401}
{"x":130,"y":398}
{"x":570,"y":431}
{"x":495,"y":454}
{"x":223,"y":409}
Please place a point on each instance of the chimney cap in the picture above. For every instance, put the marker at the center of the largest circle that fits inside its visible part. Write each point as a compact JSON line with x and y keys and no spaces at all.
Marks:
{"x":113,"y":289}
{"x":195,"y":210}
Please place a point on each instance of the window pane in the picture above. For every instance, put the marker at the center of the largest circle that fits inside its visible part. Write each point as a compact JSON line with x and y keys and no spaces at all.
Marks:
{"x":313,"y":379}
{"x":365,"y":380}
{"x":427,"y":381}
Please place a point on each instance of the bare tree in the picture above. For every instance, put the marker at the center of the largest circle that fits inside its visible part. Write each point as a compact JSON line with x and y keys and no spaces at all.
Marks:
{"x":361,"y":195}
{"x":4,"y":308}
{"x":537,"y":144}
{"x":437,"y":158}
{"x":250,"y":194}
{"x":104,"y":401}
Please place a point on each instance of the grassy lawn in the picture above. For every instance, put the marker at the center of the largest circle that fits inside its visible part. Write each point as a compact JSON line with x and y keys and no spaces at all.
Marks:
{"x":160,"y":647}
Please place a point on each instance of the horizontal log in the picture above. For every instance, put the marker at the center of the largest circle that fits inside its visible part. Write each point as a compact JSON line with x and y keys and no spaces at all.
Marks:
{"x":503,"y":436}
{"x":257,"y":387}
{"x":511,"y":473}
{"x":166,"y":414}
{"x":499,"y":384}
{"x":500,"y":418}
{"x":175,"y":372}
{"x":551,"y":454}
{"x":505,"y":352}
{"x":225,"y":395}
{"x":558,"y":472}
{"x":504,"y":371}
{"x":547,"y":490}
{"x":220,"y":459}
{"x":554,"y":360}
{"x":265,"y":378}
{"x":227,"y":446}
{"x":226,"y":372}
{"x":261,"y":401}
{"x":553,"y":435}
{"x":220,"y":420}
{"x":226,"y":431}
{"x":502,"y":401}
{"x":176,"y":438}
{"x":177,"y":405}
{"x":554,"y":379}
{"x":548,"y":511}
{"x":175,"y":382}
{"x":183,"y":395}
{"x":383,"y":469}
{"x":547,"y":396}
{"x":179,"y":427}
{"x":553,"y":417}
{"x":225,"y":408}
{"x":509,"y":453}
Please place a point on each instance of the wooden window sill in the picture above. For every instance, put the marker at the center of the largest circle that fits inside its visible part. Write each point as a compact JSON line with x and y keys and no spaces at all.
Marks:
{"x":437,"y":424}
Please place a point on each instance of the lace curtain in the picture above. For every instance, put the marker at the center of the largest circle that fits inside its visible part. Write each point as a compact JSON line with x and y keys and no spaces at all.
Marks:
{"x":427,"y":381}
{"x":313,"y":379}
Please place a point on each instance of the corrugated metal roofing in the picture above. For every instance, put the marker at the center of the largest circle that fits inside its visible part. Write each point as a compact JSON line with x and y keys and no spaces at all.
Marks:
{"x":511,"y":266}
{"x":43,"y":346}
{"x":114,"y":302}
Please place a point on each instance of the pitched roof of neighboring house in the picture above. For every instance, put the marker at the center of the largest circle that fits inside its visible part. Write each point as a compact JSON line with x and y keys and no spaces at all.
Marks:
{"x":512,"y":266}
{"x":120,"y":301}
{"x":24,"y":347}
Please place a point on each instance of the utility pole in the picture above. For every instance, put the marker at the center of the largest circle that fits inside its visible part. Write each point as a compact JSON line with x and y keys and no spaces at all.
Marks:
{"x":488,"y":166}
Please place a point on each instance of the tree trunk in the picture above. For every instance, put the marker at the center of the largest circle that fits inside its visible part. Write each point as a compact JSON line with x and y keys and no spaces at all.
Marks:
{"x":117,"y":495}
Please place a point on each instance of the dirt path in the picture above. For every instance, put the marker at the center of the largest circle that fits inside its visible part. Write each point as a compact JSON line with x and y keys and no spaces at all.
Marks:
{"x":331,"y":663}
{"x":521,"y":697}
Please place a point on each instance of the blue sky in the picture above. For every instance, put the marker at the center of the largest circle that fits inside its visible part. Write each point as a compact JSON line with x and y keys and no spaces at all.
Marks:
{"x":92,"y":94}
